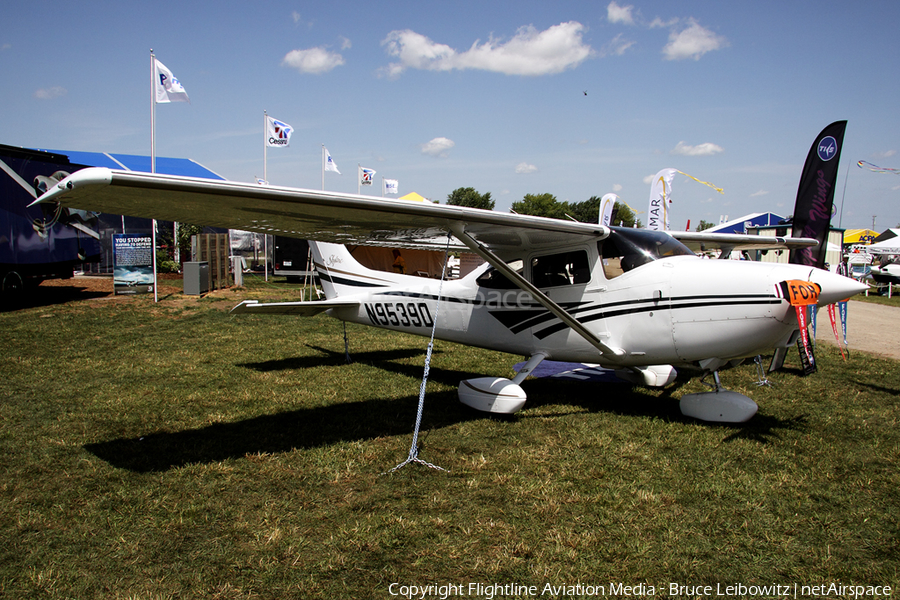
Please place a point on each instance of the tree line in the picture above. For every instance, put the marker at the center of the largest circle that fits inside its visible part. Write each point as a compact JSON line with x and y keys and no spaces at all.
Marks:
{"x":547,"y":205}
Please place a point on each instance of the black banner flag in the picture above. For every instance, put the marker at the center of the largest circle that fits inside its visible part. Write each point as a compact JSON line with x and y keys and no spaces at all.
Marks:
{"x":815,"y":196}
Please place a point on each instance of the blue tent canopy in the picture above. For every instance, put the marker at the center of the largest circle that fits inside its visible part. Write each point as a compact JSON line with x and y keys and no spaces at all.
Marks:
{"x":133,"y":162}
{"x":752,"y":220}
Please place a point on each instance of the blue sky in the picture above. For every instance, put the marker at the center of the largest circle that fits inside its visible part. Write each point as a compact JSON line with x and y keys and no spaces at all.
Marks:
{"x":490,"y":95}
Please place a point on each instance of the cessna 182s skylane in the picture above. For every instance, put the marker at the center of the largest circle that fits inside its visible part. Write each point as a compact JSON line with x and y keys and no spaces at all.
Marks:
{"x":635,"y":300}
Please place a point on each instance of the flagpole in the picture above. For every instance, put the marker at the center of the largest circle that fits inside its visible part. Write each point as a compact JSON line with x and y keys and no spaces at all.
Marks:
{"x":153,"y":161}
{"x":152,"y":112}
{"x":265,"y":148}
{"x":323,"y":167}
{"x":266,"y":180}
{"x":358,"y":176}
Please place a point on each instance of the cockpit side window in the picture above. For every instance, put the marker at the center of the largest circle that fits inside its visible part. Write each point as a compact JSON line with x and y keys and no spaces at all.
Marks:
{"x":565,"y":268}
{"x":628,"y":249}
{"x":495,"y":280}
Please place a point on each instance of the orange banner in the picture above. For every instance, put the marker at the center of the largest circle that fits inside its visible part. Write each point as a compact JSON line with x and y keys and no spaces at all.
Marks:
{"x":801,"y":293}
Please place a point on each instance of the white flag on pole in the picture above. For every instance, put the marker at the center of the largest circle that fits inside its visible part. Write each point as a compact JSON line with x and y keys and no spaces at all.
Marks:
{"x":278,"y":133}
{"x":606,"y":208}
{"x":366,"y":176}
{"x":168,"y":88}
{"x":329,"y":163}
{"x":391,"y":186}
{"x":660,"y":199}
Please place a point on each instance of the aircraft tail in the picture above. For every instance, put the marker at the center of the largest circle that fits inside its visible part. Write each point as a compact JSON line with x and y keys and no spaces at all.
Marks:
{"x":815,"y":195}
{"x":341,"y":275}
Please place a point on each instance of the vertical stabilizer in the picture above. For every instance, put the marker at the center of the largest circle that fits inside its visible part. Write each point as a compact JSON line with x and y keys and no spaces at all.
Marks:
{"x":815,"y":195}
{"x":341,"y":275}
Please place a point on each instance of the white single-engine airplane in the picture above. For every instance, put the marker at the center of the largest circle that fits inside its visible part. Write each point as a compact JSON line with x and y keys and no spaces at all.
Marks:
{"x":638,"y":301}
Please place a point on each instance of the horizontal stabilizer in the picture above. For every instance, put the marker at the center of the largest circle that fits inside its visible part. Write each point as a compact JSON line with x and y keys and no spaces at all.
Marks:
{"x":299,"y":309}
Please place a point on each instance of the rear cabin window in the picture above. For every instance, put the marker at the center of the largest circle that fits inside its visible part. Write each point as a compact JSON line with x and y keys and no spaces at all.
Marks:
{"x":495,"y":280}
{"x":566,"y":268}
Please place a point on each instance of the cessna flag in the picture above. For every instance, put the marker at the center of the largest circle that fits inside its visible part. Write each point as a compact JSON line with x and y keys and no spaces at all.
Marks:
{"x":168,"y":88}
{"x":366,"y":176}
{"x":660,"y":198}
{"x":278,"y":133}
{"x":815,"y":196}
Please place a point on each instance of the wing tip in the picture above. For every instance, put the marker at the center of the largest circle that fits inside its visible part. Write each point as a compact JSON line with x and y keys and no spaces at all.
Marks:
{"x":90,"y":176}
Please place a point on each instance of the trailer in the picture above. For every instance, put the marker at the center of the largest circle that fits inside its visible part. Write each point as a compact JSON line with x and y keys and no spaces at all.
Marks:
{"x":40,"y":243}
{"x":291,"y":259}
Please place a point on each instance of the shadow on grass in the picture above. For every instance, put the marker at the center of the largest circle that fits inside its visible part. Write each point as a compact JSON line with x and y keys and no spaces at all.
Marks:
{"x":616,"y":398}
{"x":281,"y":432}
{"x":877,"y":388}
{"x":332,"y":358}
{"x":48,"y":296}
{"x":381,"y":359}
{"x":624,"y":399}
{"x":346,"y":422}
{"x":764,"y":428}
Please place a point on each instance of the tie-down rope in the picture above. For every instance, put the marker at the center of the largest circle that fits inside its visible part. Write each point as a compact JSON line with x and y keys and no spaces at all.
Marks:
{"x":414,"y":448}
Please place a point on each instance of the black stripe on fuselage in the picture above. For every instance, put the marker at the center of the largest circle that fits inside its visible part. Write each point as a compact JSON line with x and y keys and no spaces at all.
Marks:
{"x":532,"y":314}
{"x":631,"y":307}
{"x":348,"y":282}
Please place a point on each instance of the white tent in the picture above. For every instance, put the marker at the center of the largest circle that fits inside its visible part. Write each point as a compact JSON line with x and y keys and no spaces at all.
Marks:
{"x":888,"y":246}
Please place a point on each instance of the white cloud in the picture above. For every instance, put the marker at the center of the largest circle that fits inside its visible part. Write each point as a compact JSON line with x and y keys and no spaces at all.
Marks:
{"x":692,"y":42}
{"x":529,"y":52}
{"x":617,"y":187}
{"x":759,"y":193}
{"x":649,"y":179}
{"x":658,"y":23}
{"x":50,"y":93}
{"x":617,"y":46}
{"x":437,"y":147}
{"x":296,"y":17}
{"x":5,"y":46}
{"x":525,"y":168}
{"x":887,"y":154}
{"x":707,"y":149}
{"x":619,"y":14}
{"x":345,"y":43}
{"x":314,"y":60}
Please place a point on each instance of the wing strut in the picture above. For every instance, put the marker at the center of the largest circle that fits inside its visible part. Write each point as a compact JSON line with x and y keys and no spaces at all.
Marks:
{"x":611,"y":354}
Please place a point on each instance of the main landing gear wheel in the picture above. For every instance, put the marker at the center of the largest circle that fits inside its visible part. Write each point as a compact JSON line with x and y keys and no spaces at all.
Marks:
{"x":718,"y":406}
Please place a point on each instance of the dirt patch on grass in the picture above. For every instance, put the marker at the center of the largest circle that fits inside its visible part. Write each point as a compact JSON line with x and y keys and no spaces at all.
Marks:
{"x":98,"y":290}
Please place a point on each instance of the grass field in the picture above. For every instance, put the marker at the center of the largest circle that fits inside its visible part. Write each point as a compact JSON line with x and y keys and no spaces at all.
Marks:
{"x":173,"y":451}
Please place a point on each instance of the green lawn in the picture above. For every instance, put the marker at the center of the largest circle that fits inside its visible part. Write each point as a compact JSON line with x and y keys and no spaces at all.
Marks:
{"x":174,"y":451}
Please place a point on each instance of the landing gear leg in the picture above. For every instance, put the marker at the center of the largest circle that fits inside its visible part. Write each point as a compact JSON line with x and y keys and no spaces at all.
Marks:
{"x":498,"y":394}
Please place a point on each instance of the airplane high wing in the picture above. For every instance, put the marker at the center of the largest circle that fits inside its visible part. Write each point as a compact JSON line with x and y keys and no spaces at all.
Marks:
{"x":307,"y":214}
{"x":636,"y":300}
{"x":699,"y":241}
{"x":341,"y":218}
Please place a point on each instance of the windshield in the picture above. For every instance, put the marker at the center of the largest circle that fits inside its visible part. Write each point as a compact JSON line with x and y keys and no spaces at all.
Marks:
{"x":626,"y":249}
